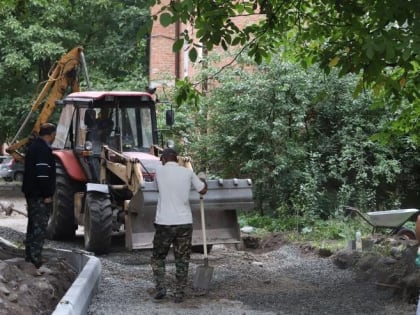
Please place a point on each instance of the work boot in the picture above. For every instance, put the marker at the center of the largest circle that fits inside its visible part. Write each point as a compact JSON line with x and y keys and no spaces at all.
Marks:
{"x":160,"y":293}
{"x":37,"y":262}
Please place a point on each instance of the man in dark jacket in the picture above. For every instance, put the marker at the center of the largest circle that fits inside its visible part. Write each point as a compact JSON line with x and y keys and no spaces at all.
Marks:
{"x":38,"y":187}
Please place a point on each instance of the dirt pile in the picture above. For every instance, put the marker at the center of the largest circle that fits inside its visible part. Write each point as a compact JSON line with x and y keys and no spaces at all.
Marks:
{"x":390,"y":263}
{"x":25,"y":290}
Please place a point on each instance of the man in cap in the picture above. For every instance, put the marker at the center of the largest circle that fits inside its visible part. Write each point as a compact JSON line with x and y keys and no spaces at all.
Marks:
{"x":39,"y":186}
{"x":173,"y":222}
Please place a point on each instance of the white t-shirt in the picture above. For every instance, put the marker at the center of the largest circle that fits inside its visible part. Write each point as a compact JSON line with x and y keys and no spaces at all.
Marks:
{"x":174,"y":185}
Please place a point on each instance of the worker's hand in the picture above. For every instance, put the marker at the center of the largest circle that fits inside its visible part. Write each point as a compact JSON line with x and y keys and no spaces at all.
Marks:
{"x":186,"y":159}
{"x":202,"y":176}
{"x":48,"y":200}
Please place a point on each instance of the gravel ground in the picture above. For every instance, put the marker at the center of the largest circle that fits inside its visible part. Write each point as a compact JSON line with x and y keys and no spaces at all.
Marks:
{"x":282,"y":279}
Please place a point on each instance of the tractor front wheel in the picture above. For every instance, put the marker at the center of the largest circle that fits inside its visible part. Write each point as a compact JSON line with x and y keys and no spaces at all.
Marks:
{"x":97,"y":222}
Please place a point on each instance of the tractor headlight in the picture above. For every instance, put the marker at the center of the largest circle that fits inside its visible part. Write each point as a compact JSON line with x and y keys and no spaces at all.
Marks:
{"x":88,"y":146}
{"x":170,"y":144}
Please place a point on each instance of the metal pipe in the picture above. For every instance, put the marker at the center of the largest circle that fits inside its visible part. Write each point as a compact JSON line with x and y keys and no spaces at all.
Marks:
{"x":82,"y":57}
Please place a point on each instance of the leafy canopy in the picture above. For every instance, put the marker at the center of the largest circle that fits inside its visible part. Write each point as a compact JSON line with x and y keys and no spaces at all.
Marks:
{"x":303,"y":139}
{"x":34,"y":34}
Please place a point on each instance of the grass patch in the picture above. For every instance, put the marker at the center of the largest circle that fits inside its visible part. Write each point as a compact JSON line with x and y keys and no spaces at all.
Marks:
{"x":335,"y":232}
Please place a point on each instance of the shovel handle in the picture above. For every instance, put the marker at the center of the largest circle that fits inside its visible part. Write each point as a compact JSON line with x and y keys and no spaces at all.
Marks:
{"x":203,"y":226}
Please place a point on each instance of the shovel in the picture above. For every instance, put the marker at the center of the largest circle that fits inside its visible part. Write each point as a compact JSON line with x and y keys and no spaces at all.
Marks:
{"x":203,"y":273}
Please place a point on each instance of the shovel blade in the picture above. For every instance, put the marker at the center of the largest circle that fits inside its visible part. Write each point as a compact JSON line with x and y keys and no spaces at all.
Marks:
{"x":202,"y":278}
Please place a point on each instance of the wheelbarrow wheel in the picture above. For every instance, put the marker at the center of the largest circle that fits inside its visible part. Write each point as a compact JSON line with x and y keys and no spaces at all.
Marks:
{"x":406,"y":234}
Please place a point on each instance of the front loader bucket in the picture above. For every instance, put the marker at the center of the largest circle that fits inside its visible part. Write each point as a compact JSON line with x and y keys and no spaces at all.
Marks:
{"x":224,"y":197}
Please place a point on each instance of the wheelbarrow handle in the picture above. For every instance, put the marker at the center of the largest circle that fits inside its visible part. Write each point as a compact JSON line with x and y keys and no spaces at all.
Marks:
{"x":349,"y":209}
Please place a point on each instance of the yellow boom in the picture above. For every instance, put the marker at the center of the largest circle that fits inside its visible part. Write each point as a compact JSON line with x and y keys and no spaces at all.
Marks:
{"x":62,"y":76}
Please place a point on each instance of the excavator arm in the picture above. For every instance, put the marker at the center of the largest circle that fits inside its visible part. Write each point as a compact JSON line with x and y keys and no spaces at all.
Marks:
{"x":63,"y":75}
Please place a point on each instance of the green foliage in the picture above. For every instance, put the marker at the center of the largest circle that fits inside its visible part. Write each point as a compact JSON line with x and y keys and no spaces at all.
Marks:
{"x":337,"y":228}
{"x":257,"y":221}
{"x":184,"y":93}
{"x":303,"y":139}
{"x":34,"y":34}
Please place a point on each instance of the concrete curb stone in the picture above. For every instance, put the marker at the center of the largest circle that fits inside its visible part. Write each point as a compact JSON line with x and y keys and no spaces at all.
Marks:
{"x":78,"y":297}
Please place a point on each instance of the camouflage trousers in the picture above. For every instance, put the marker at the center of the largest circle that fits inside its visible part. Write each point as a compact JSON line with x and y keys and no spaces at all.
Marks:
{"x":180,"y":237}
{"x":36,"y":232}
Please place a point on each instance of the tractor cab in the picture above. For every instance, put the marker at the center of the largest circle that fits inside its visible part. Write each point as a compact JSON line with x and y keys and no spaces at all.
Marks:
{"x":125,"y":121}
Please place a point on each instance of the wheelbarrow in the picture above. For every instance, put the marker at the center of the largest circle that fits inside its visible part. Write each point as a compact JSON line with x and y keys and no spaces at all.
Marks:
{"x":391,"y":220}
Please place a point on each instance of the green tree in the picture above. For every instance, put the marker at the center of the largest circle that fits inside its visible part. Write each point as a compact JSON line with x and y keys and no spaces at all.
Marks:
{"x":34,"y":34}
{"x":303,"y":139}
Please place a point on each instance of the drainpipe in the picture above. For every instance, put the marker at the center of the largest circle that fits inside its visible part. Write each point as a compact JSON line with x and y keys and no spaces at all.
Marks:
{"x":177,"y":54}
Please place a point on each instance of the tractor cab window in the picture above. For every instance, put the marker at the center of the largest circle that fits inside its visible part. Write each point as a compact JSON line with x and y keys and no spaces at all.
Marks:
{"x":95,"y":126}
{"x":64,"y":136}
{"x":146,"y":127}
{"x":122,"y":128}
{"x":134,"y":128}
{"x":104,"y":124}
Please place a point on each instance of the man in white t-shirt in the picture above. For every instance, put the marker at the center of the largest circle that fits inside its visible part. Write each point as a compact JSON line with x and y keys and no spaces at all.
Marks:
{"x":173,"y":222}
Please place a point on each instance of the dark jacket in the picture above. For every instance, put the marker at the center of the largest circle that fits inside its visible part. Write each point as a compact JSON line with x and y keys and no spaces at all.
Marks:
{"x":39,"y":174}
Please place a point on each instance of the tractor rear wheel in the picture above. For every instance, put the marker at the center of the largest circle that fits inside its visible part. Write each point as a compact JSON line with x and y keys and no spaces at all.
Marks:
{"x":97,"y":222}
{"x":62,"y":224}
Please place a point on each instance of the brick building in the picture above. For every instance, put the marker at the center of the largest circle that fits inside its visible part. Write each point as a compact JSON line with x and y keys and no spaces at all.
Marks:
{"x":165,"y":65}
